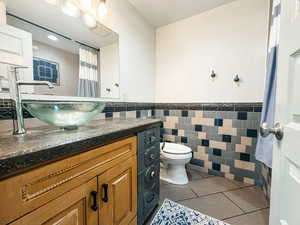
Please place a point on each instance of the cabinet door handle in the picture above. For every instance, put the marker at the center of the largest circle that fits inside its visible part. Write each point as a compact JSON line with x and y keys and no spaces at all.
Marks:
{"x":105,"y":188}
{"x":95,"y":203}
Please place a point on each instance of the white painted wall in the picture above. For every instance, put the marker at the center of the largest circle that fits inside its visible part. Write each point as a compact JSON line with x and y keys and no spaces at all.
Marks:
{"x":137,"y":51}
{"x":109,"y":71}
{"x":2,"y":12}
{"x":230,"y":39}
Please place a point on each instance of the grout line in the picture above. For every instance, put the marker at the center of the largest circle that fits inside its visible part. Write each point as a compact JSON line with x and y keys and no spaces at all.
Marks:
{"x":185,"y":199}
{"x":234,"y":203}
{"x":247,"y":213}
{"x":219,"y":192}
{"x":194,"y":192}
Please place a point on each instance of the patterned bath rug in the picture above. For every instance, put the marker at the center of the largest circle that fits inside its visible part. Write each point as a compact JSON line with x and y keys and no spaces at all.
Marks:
{"x":172,"y":213}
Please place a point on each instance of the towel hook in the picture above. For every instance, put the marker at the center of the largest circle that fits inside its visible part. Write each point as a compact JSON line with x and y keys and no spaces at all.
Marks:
{"x":213,"y":74}
{"x":236,"y":78}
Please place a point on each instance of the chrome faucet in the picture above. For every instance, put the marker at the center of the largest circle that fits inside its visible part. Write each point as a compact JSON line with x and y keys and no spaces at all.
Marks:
{"x":19,"y":127}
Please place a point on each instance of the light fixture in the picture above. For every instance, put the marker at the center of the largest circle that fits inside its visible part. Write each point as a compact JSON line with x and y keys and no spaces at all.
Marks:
{"x":52,"y":37}
{"x":102,"y":9}
{"x":89,"y":21}
{"x":70,"y":9}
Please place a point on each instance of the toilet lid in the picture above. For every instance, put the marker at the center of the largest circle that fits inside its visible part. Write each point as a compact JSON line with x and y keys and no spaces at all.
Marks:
{"x":177,"y":149}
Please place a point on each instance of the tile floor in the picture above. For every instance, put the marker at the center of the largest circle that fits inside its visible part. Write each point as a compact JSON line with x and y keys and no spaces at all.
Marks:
{"x":233,"y":202}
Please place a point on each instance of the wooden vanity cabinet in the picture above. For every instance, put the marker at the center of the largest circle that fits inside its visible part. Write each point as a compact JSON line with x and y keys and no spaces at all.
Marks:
{"x":72,"y":208}
{"x":118,"y":194}
{"x":98,"y":187}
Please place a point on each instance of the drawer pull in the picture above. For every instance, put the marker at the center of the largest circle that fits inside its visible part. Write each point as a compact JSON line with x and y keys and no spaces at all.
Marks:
{"x":152,"y":174}
{"x":152,"y":139}
{"x":95,"y":203}
{"x":152,"y":156}
{"x":105,"y":188}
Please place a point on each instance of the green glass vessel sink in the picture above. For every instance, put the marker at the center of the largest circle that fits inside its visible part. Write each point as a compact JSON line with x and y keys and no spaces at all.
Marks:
{"x":68,"y":115}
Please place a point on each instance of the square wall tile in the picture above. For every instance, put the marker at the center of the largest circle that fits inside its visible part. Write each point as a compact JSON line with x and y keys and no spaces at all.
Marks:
{"x":252,"y":133}
{"x":244,"y":165}
{"x":242,"y":115}
{"x":184,"y":113}
{"x":218,"y":122}
{"x":205,"y":143}
{"x":227,"y":138}
{"x":184,"y":139}
{"x":217,"y":144}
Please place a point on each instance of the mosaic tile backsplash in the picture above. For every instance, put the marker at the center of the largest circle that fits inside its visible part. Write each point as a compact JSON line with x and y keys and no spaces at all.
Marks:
{"x":223,"y":136}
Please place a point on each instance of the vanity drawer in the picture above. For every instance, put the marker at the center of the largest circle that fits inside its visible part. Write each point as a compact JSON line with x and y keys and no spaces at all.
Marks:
{"x":150,"y":199}
{"x":148,"y":148}
{"x":151,"y":176}
{"x":148,"y":138}
{"x":26,"y":192}
{"x":151,"y":155}
{"x":148,"y":193}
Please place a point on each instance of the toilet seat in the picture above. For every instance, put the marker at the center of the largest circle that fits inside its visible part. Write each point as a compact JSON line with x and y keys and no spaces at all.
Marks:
{"x":175,"y":149}
{"x":175,"y":156}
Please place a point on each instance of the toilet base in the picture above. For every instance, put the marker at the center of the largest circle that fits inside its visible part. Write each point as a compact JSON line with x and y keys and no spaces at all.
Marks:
{"x":174,"y":174}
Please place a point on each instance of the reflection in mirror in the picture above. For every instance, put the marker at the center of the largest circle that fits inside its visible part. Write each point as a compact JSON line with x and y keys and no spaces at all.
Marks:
{"x":78,"y":60}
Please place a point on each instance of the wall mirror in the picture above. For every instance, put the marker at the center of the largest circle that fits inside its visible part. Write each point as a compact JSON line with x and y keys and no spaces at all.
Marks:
{"x":80,"y":57}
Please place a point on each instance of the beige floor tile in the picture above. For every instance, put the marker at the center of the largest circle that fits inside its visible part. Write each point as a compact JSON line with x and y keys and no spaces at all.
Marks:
{"x":248,"y":199}
{"x":255,"y":218}
{"x":176,"y":192}
{"x":216,"y":205}
{"x":212,"y":185}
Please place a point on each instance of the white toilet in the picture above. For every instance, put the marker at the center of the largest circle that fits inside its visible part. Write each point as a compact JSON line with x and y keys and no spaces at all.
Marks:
{"x":173,"y":159}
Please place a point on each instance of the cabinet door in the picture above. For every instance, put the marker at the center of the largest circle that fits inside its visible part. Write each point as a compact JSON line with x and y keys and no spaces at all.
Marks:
{"x":15,"y":46}
{"x":118,"y":193}
{"x":77,"y":207}
{"x":16,"y":50}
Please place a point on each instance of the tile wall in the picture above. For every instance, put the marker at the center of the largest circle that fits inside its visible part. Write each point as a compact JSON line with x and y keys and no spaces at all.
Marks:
{"x":112,"y":110}
{"x":222,"y":136}
{"x":266,"y":175}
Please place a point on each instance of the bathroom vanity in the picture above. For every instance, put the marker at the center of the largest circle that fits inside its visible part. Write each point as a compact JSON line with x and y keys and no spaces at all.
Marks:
{"x":86,"y":176}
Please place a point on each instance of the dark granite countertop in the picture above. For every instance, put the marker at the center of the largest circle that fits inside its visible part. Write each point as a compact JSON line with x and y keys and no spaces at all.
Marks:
{"x":48,"y":144}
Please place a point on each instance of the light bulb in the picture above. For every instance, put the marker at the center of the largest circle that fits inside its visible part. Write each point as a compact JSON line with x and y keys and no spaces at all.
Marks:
{"x":52,"y":37}
{"x":102,"y":9}
{"x":86,"y":3}
{"x":52,"y":2}
{"x":70,"y":9}
{"x":89,"y":21}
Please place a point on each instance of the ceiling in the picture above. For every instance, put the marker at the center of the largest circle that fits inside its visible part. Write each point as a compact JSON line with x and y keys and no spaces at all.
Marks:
{"x":163,"y":12}
{"x":51,"y":17}
{"x":41,"y":35}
